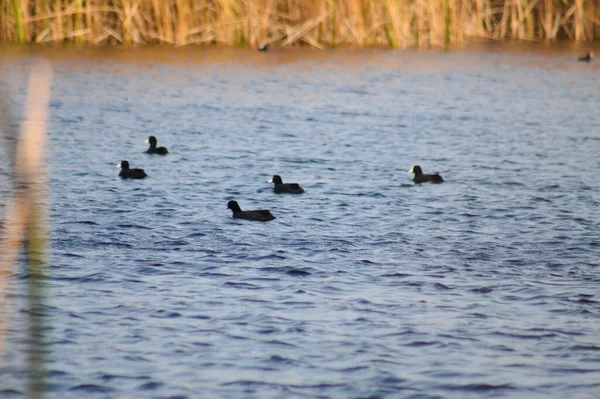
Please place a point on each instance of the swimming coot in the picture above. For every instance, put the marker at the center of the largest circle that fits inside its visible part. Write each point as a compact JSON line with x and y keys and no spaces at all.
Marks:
{"x":127,"y":173}
{"x":153,"y":149}
{"x":261,"y":215}
{"x":587,"y":58}
{"x":265,"y":48}
{"x":423,"y":178}
{"x":280,"y":187}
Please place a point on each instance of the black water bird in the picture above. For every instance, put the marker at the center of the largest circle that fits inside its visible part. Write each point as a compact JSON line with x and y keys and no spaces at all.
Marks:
{"x":261,"y":215}
{"x":154,"y":149}
{"x":420,"y":177}
{"x":586,"y":58}
{"x":265,"y":48}
{"x":127,"y":173}
{"x":280,"y":187}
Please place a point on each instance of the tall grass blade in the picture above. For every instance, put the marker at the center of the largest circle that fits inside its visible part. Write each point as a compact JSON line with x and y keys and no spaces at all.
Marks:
{"x":24,"y":225}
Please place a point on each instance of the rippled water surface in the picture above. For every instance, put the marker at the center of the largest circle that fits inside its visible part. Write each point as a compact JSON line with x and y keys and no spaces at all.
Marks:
{"x":365,"y":286}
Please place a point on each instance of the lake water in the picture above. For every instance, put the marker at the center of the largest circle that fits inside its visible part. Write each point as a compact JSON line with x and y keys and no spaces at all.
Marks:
{"x":367,"y":285}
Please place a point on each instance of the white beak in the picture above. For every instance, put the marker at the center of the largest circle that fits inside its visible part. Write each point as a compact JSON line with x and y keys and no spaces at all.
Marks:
{"x":270,"y":180}
{"x":146,"y":141}
{"x":411,"y":170}
{"x":118,"y":165}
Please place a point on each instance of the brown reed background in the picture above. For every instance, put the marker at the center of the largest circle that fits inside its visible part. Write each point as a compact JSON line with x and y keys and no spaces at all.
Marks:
{"x":318,"y":23}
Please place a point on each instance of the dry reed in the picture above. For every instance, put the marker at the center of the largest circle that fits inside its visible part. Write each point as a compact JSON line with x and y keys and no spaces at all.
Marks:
{"x":319,"y":23}
{"x":395,"y":23}
{"x":24,"y":224}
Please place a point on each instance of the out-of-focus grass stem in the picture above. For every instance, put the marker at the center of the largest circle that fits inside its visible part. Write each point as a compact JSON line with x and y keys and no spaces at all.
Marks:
{"x":25,"y":224}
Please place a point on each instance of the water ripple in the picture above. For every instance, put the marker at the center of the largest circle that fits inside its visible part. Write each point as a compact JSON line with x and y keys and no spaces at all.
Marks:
{"x":366,"y":285}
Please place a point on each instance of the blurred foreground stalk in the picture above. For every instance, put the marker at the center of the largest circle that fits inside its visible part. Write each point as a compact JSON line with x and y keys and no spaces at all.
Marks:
{"x":24,"y":225}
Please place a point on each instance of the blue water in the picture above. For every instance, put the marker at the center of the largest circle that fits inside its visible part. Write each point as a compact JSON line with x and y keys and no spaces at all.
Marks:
{"x":367,"y":285}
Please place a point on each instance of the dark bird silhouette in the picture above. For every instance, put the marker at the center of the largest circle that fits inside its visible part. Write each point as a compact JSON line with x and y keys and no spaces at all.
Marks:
{"x":586,"y":58}
{"x":127,"y":173}
{"x":261,"y":215}
{"x":280,"y":187}
{"x":420,"y":177}
{"x":153,"y":149}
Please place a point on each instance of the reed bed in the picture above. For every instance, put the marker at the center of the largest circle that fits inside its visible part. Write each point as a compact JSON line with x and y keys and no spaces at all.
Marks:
{"x":317,"y":23}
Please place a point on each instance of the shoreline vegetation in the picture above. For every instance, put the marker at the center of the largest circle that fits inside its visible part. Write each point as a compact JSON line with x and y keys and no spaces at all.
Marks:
{"x":316,"y":23}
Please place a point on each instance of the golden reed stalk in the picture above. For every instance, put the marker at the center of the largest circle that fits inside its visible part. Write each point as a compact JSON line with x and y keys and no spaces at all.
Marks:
{"x":319,"y":23}
{"x":24,"y":223}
